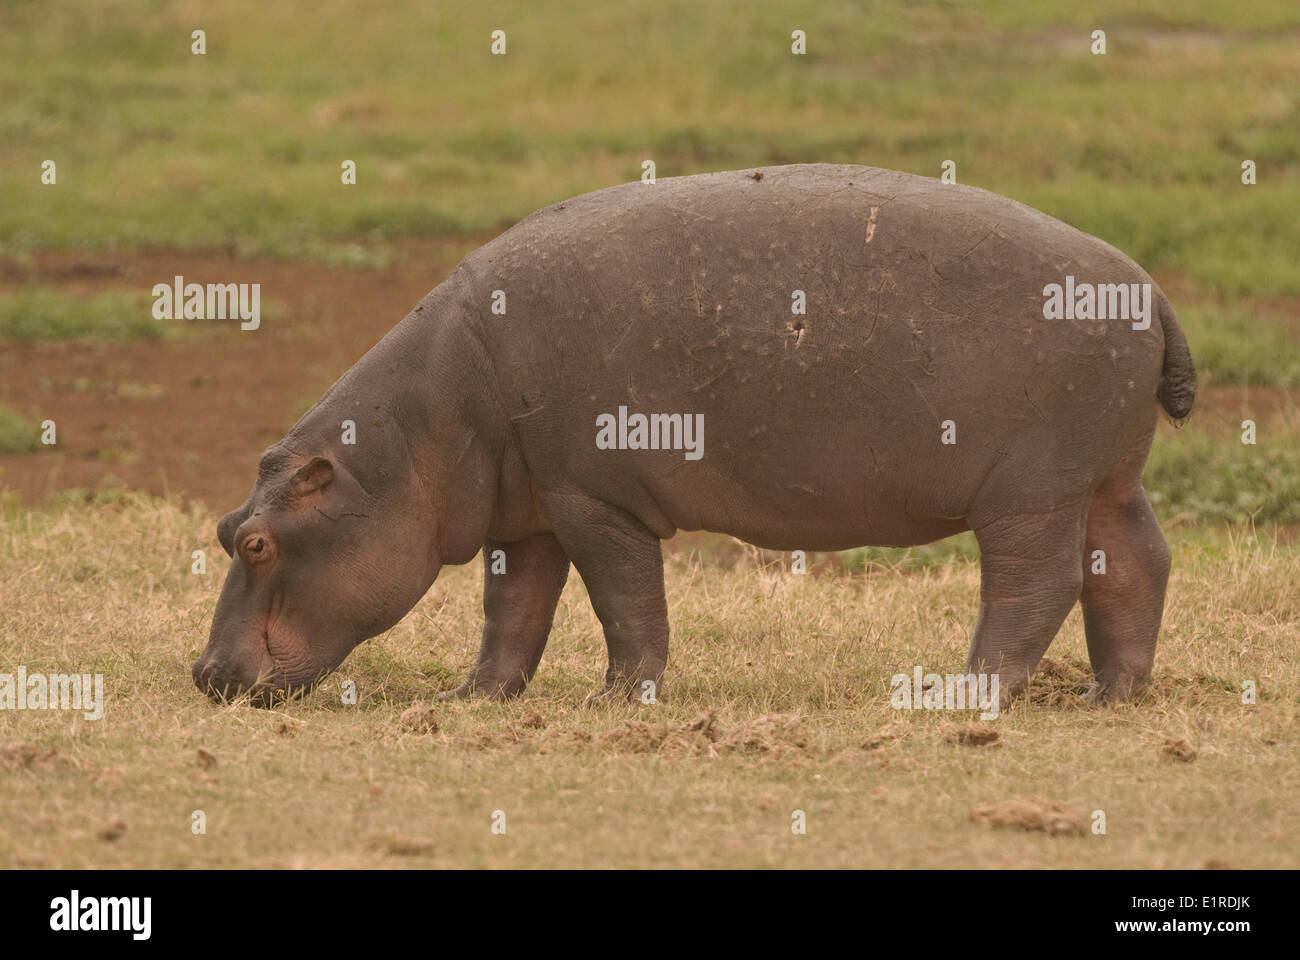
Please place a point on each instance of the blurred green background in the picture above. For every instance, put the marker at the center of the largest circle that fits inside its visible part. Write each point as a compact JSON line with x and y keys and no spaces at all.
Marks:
{"x":1141,"y":146}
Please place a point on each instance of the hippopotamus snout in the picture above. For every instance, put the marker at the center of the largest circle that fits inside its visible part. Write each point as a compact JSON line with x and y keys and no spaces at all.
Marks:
{"x":224,"y":680}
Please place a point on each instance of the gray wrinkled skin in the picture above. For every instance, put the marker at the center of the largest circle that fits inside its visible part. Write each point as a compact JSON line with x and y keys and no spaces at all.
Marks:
{"x":822,"y":432}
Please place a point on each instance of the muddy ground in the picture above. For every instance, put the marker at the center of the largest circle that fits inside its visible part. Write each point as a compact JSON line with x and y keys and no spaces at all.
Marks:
{"x":190,"y":415}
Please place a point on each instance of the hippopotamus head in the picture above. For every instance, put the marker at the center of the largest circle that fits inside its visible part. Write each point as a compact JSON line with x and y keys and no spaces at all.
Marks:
{"x":321,"y":561}
{"x":353,"y":514}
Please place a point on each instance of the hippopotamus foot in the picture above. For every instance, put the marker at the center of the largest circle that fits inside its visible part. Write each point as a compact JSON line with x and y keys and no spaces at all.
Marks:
{"x":645,"y":687}
{"x":465,"y":691}
{"x":522,"y":582}
{"x":1098,"y":695}
{"x":1030,"y":578}
{"x":1122,"y":606}
{"x":1110,"y":555}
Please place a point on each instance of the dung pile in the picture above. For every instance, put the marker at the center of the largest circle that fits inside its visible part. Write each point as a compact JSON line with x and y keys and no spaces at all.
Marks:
{"x":25,"y":755}
{"x":770,"y":735}
{"x":1032,"y":814}
{"x":973,"y":735}
{"x":1058,"y":683}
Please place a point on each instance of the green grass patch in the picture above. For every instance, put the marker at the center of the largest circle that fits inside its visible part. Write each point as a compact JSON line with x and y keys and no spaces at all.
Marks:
{"x":1232,"y":345}
{"x":18,"y":434}
{"x":961,"y":547}
{"x":50,"y":314}
{"x":1210,"y":477}
{"x":42,"y":314}
{"x":243,"y":146}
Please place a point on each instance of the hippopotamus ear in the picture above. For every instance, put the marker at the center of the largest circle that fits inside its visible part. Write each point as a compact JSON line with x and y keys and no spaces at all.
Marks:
{"x":314,"y":476}
{"x":227,"y":527}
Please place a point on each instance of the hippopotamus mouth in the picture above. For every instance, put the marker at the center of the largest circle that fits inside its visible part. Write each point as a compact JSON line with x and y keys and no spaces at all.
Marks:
{"x":267,"y":688}
{"x":270,"y":686}
{"x":265,"y":691}
{"x":269,"y":671}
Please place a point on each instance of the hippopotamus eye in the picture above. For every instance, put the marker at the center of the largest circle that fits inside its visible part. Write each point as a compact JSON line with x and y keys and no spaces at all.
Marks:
{"x":256,"y":548}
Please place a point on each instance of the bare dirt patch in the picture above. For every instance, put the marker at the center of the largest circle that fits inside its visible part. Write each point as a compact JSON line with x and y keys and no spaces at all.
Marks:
{"x":195,"y":412}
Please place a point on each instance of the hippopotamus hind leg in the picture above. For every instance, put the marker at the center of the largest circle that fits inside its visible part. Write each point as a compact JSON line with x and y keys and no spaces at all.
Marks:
{"x":1124,"y":599}
{"x":1030,"y":578}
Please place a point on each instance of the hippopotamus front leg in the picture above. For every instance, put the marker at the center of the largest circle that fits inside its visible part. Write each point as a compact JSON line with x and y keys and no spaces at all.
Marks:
{"x":518,"y":607}
{"x":622,"y":565}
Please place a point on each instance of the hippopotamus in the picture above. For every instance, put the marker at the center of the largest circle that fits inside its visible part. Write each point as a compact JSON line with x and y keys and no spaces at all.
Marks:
{"x":814,"y":357}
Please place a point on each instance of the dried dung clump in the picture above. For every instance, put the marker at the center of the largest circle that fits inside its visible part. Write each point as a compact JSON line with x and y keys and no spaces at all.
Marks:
{"x":395,"y":845}
{"x":488,"y":741}
{"x":562,"y":738}
{"x":1056,"y":683}
{"x":1175,"y":749}
{"x":1032,"y":814}
{"x":894,"y":730}
{"x":26,"y":756}
{"x":773,"y":734}
{"x":420,"y":718}
{"x":973,"y":735}
{"x":112,"y":831}
{"x":638,"y":736}
{"x":532,"y":720}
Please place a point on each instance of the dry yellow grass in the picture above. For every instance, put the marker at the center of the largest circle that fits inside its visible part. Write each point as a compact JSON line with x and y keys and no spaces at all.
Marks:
{"x":776,"y":701}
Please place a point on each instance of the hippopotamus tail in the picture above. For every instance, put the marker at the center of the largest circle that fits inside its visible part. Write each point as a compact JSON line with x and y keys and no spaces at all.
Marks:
{"x":1177,"y":389}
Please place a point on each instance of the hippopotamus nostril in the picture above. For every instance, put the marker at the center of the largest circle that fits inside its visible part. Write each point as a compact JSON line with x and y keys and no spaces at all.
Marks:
{"x":204,"y":676}
{"x":217,"y":683}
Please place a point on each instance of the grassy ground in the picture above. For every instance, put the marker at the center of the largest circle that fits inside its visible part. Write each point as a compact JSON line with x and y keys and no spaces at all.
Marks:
{"x":45,"y":314}
{"x":107,"y":588}
{"x":17,"y":434}
{"x":41,"y":313}
{"x":1204,"y":472}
